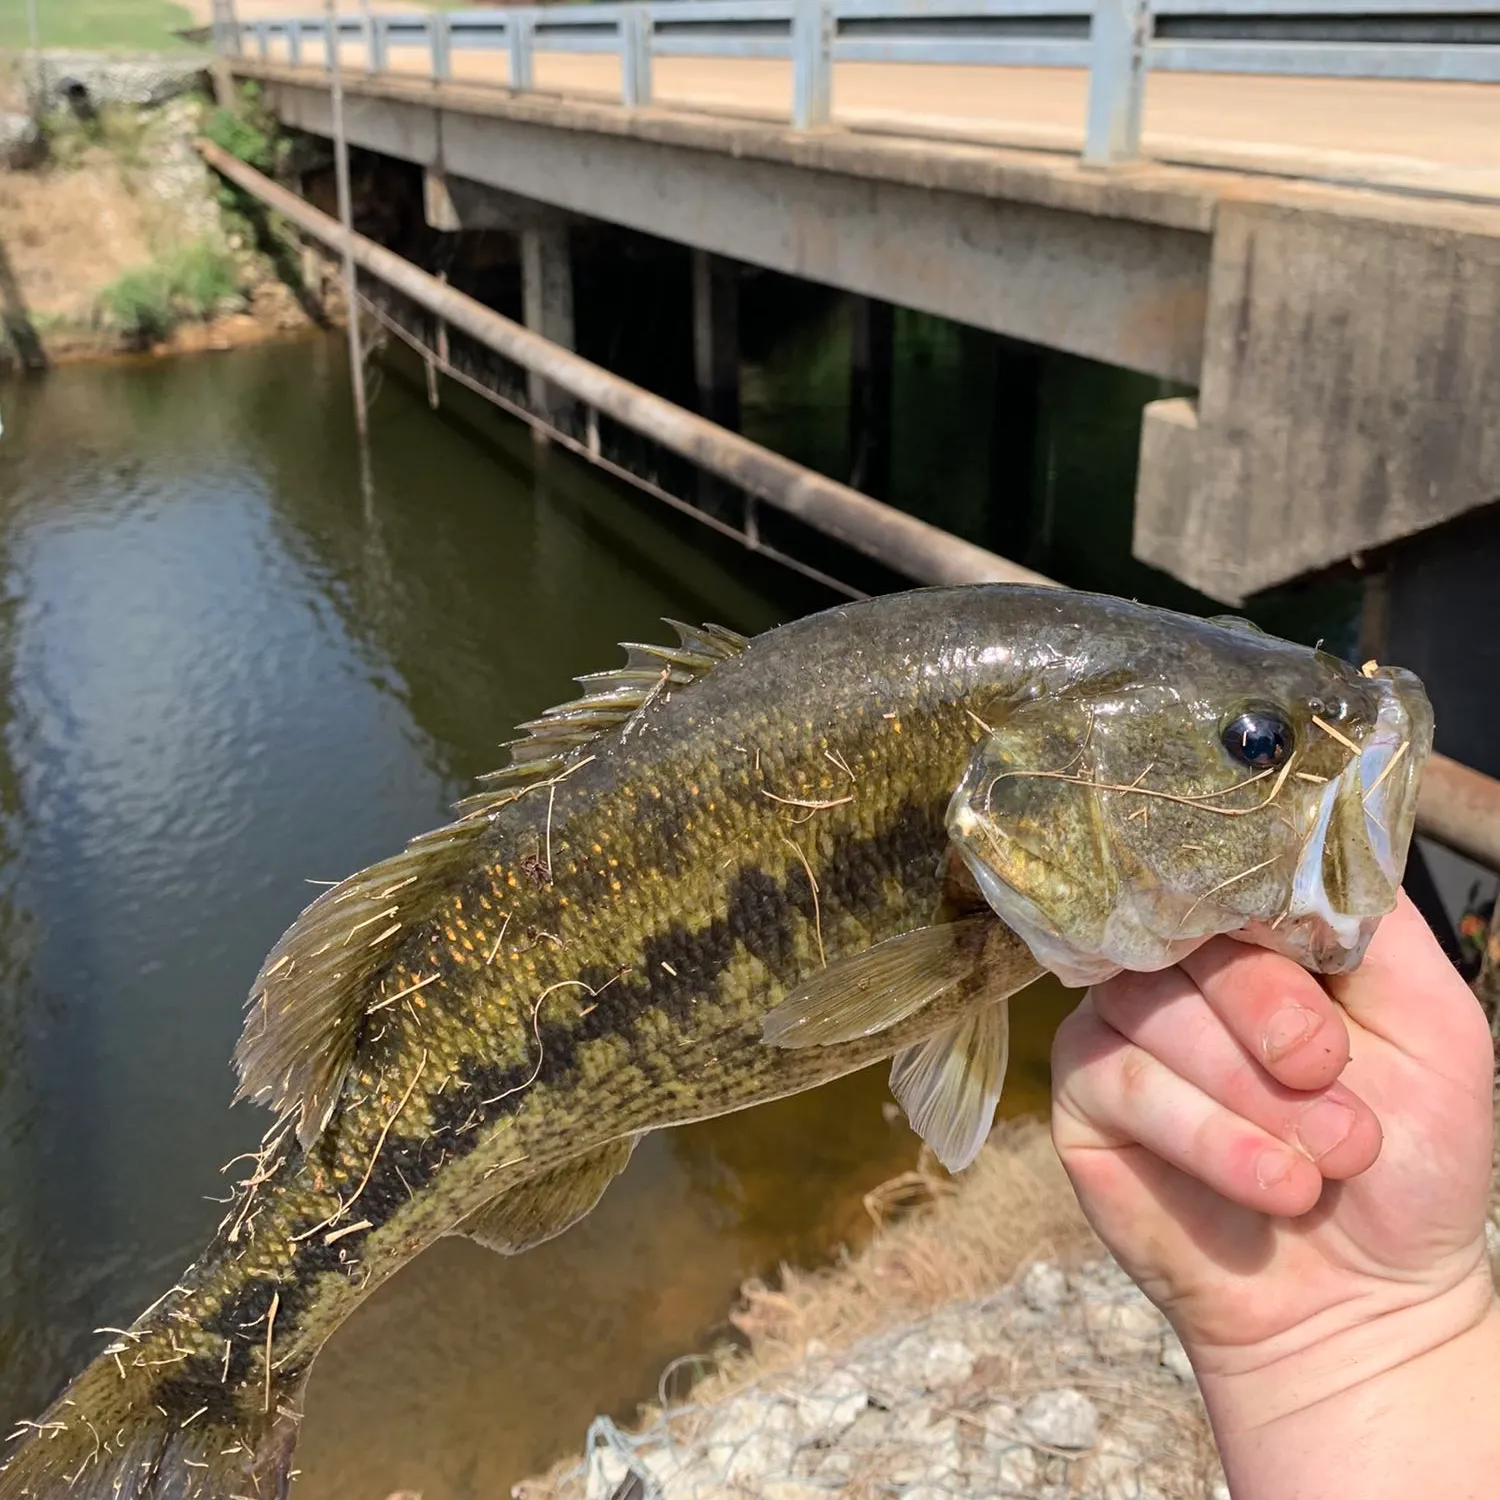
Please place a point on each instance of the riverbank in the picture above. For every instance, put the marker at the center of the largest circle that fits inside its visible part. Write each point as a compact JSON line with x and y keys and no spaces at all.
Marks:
{"x":985,"y":1344}
{"x":115,"y":238}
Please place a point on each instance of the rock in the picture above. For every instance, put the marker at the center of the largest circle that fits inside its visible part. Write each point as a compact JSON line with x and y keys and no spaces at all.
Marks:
{"x":1123,"y":1329}
{"x":1044,"y":1287}
{"x":832,"y":1406}
{"x":1220,"y":1490}
{"x":1174,"y":1358}
{"x":1064,"y":1419}
{"x":604,"y":1475}
{"x":769,"y":1449}
{"x":1018,"y":1469}
{"x":20,"y":141}
{"x":138,"y":78}
{"x":793,"y":1489}
{"x":942,"y":1435}
{"x":906,"y":1365}
{"x":948,"y":1363}
{"x":836,"y":1469}
{"x":1000,"y":1429}
{"x":1117,"y":1476}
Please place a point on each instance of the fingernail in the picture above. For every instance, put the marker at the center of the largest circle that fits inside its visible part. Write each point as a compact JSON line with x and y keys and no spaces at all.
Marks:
{"x":1323,"y":1126}
{"x":1272,"y":1166}
{"x":1289,"y":1028}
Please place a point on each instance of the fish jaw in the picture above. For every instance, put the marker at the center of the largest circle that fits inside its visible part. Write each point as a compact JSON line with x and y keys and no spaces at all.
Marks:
{"x":1349,"y":872}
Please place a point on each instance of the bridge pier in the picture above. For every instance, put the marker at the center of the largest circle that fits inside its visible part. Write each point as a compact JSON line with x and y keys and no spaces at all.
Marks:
{"x":872,"y":361}
{"x":1015,"y":436}
{"x":547,"y":307}
{"x":716,"y":338}
{"x":716,"y":361}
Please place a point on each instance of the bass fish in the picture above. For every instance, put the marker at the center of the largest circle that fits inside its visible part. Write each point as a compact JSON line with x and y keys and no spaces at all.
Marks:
{"x":730,"y":871}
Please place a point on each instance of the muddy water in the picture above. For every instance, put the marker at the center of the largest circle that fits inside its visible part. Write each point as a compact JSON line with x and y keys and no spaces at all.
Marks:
{"x":224,"y":672}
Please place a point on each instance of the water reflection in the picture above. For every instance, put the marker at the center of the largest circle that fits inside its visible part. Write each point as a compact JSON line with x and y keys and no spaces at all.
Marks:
{"x":222,"y":677}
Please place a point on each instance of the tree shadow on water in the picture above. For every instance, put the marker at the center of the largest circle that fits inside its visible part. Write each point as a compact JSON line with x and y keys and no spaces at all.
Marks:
{"x":15,"y":318}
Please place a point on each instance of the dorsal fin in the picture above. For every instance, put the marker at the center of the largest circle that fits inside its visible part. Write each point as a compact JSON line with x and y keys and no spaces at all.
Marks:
{"x":306,"y":1006}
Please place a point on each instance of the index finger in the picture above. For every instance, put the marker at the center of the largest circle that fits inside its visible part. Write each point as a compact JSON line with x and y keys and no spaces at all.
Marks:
{"x":1409,"y":994}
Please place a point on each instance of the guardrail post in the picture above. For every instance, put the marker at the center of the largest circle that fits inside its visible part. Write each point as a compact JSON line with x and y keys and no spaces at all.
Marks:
{"x":813,"y":27}
{"x":262,"y":40}
{"x":330,"y":45}
{"x":376,"y":39}
{"x":294,"y":43}
{"x":442,"y":45}
{"x":520,"y":29}
{"x":226,"y":29}
{"x":635,"y":56}
{"x":1117,"y":81}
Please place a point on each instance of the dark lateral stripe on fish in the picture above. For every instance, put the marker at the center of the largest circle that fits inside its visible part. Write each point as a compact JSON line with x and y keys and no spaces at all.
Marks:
{"x":761,"y":916}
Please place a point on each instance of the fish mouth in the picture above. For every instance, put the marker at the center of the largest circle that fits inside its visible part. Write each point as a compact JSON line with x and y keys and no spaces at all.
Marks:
{"x":1354,"y":852}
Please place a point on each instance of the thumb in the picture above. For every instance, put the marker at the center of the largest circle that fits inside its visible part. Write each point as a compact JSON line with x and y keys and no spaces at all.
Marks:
{"x":1408,"y":993}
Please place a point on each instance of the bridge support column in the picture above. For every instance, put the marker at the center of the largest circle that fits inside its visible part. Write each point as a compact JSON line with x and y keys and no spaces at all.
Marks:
{"x":547,"y":308}
{"x":716,"y":361}
{"x":872,"y":357}
{"x":1015,"y":435}
{"x":716,"y":338}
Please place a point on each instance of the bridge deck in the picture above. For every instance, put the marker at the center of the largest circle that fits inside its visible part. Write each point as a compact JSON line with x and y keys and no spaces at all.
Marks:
{"x":1438,"y":138}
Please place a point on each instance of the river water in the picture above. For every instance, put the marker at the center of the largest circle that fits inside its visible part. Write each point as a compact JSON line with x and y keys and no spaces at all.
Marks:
{"x":224,"y":673}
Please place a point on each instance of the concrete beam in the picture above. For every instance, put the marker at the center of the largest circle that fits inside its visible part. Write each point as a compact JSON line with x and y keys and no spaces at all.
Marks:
{"x":453,"y":203}
{"x":1348,"y":396}
{"x":1121,"y":290}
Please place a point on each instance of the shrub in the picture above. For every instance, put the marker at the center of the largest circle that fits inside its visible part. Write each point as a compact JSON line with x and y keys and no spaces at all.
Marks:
{"x":189,"y":284}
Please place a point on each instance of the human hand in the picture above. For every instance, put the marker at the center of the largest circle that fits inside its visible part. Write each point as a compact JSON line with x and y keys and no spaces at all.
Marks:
{"x":1222,"y":1125}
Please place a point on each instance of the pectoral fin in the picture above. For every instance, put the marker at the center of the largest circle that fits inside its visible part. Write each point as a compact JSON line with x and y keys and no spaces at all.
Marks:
{"x":873,"y":990}
{"x":950,"y":1084}
{"x":540,"y":1209}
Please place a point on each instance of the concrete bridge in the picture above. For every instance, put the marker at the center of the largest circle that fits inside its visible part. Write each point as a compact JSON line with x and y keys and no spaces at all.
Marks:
{"x":1299,"y":226}
{"x":1318,"y":258}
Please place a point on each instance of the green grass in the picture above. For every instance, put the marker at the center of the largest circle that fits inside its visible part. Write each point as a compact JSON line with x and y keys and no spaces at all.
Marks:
{"x":187,"y":285}
{"x":107,"y":25}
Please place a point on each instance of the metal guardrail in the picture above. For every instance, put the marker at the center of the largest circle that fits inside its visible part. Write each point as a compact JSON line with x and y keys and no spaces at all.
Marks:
{"x":1117,"y":41}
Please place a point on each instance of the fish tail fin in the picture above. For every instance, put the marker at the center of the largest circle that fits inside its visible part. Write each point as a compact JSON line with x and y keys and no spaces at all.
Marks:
{"x":110,"y":1436}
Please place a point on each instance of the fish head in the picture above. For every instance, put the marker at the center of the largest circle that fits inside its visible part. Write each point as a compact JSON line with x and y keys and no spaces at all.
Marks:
{"x":1243,"y":786}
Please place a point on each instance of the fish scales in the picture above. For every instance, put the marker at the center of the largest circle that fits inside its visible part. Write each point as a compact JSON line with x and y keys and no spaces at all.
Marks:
{"x":670,"y":919}
{"x":599,"y":958}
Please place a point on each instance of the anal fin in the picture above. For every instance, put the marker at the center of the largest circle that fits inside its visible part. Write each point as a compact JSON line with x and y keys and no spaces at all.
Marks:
{"x":542,"y":1207}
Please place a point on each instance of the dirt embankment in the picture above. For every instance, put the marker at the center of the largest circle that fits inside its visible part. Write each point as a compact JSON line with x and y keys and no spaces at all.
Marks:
{"x":115,"y":238}
{"x":983,"y":1345}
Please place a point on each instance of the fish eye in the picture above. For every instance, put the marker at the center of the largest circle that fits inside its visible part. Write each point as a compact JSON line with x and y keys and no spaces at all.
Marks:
{"x":1258,"y":738}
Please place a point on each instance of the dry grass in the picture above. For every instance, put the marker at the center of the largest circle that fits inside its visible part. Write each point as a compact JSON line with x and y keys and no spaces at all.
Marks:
{"x":942,"y":1241}
{"x":944,"y":1249}
{"x":68,"y":234}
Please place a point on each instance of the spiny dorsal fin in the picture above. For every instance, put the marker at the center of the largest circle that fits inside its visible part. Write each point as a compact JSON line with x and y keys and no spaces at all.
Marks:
{"x":306,"y":1006}
{"x":610,"y":700}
